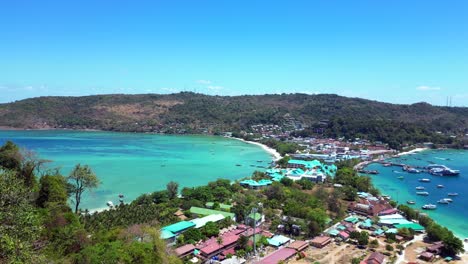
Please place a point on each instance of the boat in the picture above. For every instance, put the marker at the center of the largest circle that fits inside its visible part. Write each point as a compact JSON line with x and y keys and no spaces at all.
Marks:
{"x":121,"y":195}
{"x":387,"y":165}
{"x":452,"y":194}
{"x":442,"y":170}
{"x":425,"y":180}
{"x":448,"y":200}
{"x":110,"y":204}
{"x":410,"y":202}
{"x":440,"y":186}
{"x":429,"y":207}
{"x":401,"y":178}
{"x":443,"y":201}
{"x":422,"y":193}
{"x":411,"y":170}
{"x":238,"y":165}
{"x":420,"y":188}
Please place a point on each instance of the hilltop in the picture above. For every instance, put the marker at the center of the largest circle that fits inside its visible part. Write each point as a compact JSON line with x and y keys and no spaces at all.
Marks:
{"x":197,"y":113}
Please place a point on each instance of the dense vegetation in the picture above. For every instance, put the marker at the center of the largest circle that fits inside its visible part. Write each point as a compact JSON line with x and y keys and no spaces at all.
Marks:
{"x":328,"y":115}
{"x":38,"y":226}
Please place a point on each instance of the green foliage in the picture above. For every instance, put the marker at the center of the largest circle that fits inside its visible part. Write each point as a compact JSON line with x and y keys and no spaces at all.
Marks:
{"x":389,"y":247}
{"x":81,"y":179}
{"x":52,"y":191}
{"x":19,"y":221}
{"x":305,"y":184}
{"x":10,"y":157}
{"x":172,"y":190}
{"x":210,"y":229}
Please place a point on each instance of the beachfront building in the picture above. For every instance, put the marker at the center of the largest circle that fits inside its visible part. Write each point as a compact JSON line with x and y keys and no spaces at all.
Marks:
{"x":255,"y":184}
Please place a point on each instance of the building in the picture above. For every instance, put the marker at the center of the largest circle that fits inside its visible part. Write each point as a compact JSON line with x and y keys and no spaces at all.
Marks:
{"x":427,"y":256}
{"x":298,"y":245}
{"x":212,"y":247}
{"x":278,"y":240}
{"x":201,"y":222}
{"x":320,"y":241}
{"x":375,"y":258}
{"x":184,"y":251}
{"x":205,"y":211}
{"x":170,"y":232}
{"x":279,"y":255}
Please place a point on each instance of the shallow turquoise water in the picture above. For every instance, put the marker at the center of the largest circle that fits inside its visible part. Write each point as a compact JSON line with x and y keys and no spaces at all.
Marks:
{"x":133,"y":164}
{"x":454,"y":215}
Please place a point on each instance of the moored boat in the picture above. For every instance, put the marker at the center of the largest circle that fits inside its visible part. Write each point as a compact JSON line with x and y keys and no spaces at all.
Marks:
{"x":440,"y":186}
{"x":422,"y":193}
{"x":452,"y":194}
{"x":410,"y":202}
{"x":443,"y":201}
{"x":448,"y":200}
{"x":429,"y":207}
{"x":420,"y":188}
{"x":425,"y":180}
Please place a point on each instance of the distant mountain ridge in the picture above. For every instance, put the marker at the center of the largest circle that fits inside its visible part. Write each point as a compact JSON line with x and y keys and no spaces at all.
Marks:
{"x":198,"y":113}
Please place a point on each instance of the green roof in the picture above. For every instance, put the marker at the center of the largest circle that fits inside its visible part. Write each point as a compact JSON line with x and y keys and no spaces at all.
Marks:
{"x":178,"y":227}
{"x":352,"y":219}
{"x":165,"y":234}
{"x":205,"y":211}
{"x":414,"y":226}
{"x":256,"y":216}
{"x":278,"y":240}
{"x":333,"y":232}
{"x":226,"y":207}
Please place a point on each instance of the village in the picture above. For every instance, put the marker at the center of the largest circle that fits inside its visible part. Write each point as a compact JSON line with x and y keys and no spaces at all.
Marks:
{"x":373,"y":230}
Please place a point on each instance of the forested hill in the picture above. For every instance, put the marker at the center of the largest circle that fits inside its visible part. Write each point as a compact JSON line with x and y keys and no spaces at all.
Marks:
{"x":195,"y":113}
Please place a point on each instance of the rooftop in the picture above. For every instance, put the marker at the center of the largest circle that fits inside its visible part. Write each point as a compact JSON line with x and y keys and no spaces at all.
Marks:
{"x":178,"y":227}
{"x":278,"y":240}
{"x":206,"y":211}
{"x":184,"y":249}
{"x":279,"y":255}
{"x":200,"y":222}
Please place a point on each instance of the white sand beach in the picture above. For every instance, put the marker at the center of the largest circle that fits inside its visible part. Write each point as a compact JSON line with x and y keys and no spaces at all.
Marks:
{"x":412,"y":151}
{"x":273,"y":152}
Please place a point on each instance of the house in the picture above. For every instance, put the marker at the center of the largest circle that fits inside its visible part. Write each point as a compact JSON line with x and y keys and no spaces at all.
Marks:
{"x":435,"y":248}
{"x":427,"y":256}
{"x":278,"y":256}
{"x":180,"y":215}
{"x":298,"y":245}
{"x":256,"y":218}
{"x":343,"y":235}
{"x":278,"y":240}
{"x":184,"y":251}
{"x":375,"y":258}
{"x":320,"y":241}
{"x":212,"y":247}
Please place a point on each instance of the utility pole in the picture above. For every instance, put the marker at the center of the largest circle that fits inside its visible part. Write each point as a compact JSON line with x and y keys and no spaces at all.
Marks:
{"x":254,"y":214}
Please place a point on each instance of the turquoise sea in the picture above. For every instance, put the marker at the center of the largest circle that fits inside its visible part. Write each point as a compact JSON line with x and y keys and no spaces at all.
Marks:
{"x":132,"y":164}
{"x":455,"y":215}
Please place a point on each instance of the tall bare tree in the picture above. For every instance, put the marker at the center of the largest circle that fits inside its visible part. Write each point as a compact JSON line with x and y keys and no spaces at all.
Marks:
{"x":82,"y":178}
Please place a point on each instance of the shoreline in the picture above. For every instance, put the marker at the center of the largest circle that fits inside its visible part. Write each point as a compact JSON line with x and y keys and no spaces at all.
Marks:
{"x":271,"y":151}
{"x":416,"y":150}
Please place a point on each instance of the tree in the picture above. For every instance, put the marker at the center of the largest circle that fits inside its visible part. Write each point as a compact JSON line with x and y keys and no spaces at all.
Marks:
{"x":10,"y":156}
{"x":172,"y":189}
{"x":210,"y":229}
{"x":53,"y":191}
{"x":363,"y":238}
{"x":81,"y":178}
{"x":243,"y":242}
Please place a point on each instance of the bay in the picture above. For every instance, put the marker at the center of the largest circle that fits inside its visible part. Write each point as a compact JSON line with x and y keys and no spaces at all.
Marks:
{"x":454,"y":215}
{"x":132,"y":164}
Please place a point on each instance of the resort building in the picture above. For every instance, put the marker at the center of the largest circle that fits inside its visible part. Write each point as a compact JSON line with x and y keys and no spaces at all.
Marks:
{"x":254,"y":184}
{"x":185,"y":250}
{"x":298,"y":245}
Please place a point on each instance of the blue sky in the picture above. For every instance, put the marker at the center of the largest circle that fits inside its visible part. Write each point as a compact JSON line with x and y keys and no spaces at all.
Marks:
{"x":393,"y":51}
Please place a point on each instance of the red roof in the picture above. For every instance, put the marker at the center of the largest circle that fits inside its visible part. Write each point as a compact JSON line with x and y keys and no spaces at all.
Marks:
{"x":375,"y":258}
{"x":279,"y":255}
{"x":343,"y":234}
{"x":320,"y":240}
{"x":213,"y":246}
{"x":229,"y":251}
{"x":388,"y":211}
{"x":184,"y":249}
{"x":298,"y":245}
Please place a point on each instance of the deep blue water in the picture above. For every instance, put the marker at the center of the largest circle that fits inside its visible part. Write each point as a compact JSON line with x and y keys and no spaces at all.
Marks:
{"x":454,"y":215}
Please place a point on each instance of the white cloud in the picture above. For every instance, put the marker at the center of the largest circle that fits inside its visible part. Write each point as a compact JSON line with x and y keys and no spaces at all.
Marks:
{"x":427,"y":88}
{"x":215,"y":87}
{"x":204,"y":82}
